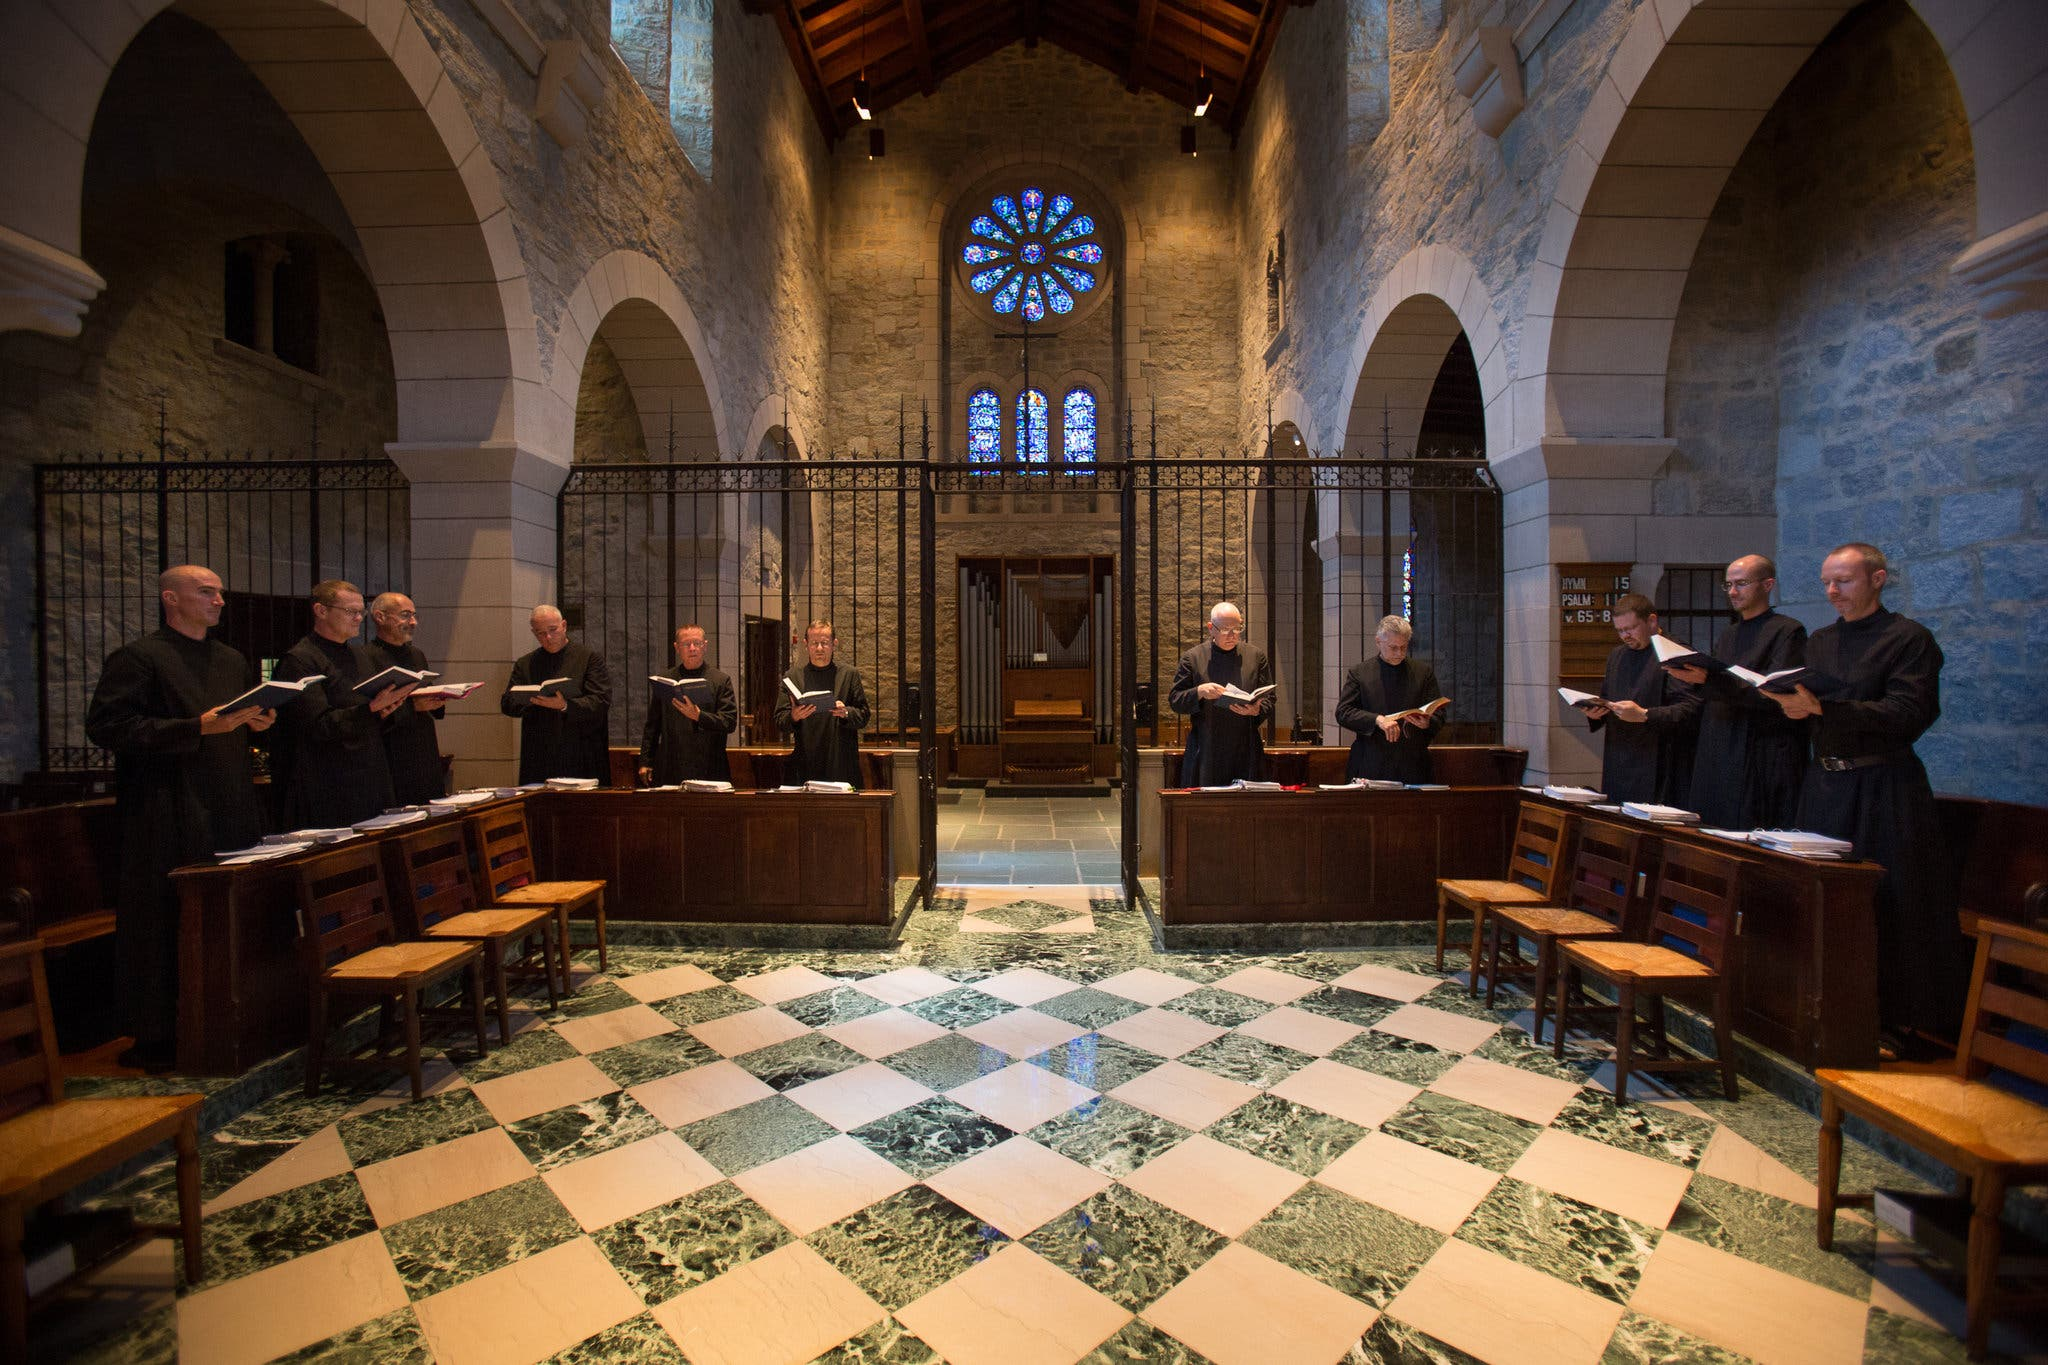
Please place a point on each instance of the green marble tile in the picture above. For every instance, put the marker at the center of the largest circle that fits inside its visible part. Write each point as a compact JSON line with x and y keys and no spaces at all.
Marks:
{"x":1640,"y":1340}
{"x":1513,"y":1047}
{"x":701,"y":1007}
{"x":1451,"y":999}
{"x":1140,"y":1343}
{"x":1403,"y":1059}
{"x":755,"y":1134}
{"x":1351,"y":1246}
{"x":394,"y":1339}
{"x":408,"y":1127}
{"x":575,"y":1131}
{"x":149,"y":1337}
{"x":1894,"y":1339}
{"x":1125,"y":1246}
{"x":961,"y":1007}
{"x":888,"y":1342}
{"x":930,"y":1135}
{"x":1214,"y":1005}
{"x":532,"y":1048}
{"x":1353,"y":1007}
{"x":1778,"y":1233}
{"x":944,"y":1063}
{"x":290,"y":1117}
{"x":799,"y":1061}
{"x":637,"y":1339}
{"x":695,"y":1239}
{"x":1088,"y":1007}
{"x":1647,"y":1129}
{"x":449,"y":1246}
{"x":1790,"y":1134}
{"x":1393,"y":1342}
{"x":270,"y":1231}
{"x":1598,"y":1251}
{"x":1287,"y":1134}
{"x":1253,"y":1061}
{"x":1026,"y":915}
{"x":839,"y":1005}
{"x":1109,"y":1136}
{"x":907,"y":1245}
{"x":650,"y":1059}
{"x":1097,"y":1062}
{"x":1469,"y":1132}
{"x":593,"y":997}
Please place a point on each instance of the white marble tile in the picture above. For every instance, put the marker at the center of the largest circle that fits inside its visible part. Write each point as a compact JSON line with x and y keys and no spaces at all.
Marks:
{"x":1741,"y":1162}
{"x":1421,"y":1185}
{"x":1148,"y":987}
{"x":600,"y":1190}
{"x":1316,"y":1034}
{"x":1507,"y":1089}
{"x":787,"y":1306}
{"x":1628,"y":1183}
{"x":1438,"y":1028}
{"x":317,"y":1158}
{"x":1017,"y":1185}
{"x":1026,"y":986}
{"x":1765,"y":1314}
{"x":1241,"y":1308}
{"x":1021,"y":1095}
{"x":738,"y":1034}
{"x":286,"y":1307}
{"x":1363,"y":1097}
{"x":700,"y":1092}
{"x":538,"y":1089}
{"x":884,"y":1033}
{"x":528,"y":1310}
{"x":1263,"y":983}
{"x":1166,"y":1032}
{"x":858,"y":1095}
{"x":1501,"y":1310}
{"x":784,"y":983}
{"x":446,"y":1173}
{"x":669,"y":982}
{"x":614,"y":1028}
{"x":822,"y":1184}
{"x":1189,"y":1096}
{"x":1015,"y":1308}
{"x":1216,"y":1185}
{"x":1389,"y":983}
{"x":1023,"y":1032}
{"x":904,"y":985}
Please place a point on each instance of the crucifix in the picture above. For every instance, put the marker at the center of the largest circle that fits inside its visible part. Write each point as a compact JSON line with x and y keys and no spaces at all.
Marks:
{"x":1024,"y":443}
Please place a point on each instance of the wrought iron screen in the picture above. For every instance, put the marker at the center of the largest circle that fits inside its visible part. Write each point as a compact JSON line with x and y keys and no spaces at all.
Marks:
{"x":270,"y":528}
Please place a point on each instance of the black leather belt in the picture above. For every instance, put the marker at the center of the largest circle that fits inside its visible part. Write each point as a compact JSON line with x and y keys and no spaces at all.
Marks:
{"x":1843,"y":765}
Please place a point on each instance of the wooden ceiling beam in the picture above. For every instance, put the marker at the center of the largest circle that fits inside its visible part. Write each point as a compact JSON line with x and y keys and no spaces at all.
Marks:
{"x":1270,"y":14}
{"x":1141,"y":42}
{"x":920,"y":47}
{"x":809,"y":76}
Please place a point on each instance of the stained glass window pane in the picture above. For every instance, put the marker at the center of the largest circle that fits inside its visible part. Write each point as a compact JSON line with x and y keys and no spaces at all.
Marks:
{"x":1006,"y":302}
{"x":984,"y":280}
{"x":1034,"y":200}
{"x":1062,"y":205}
{"x":1027,"y":254}
{"x":1086,"y":252}
{"x":1006,"y":209}
{"x":1084,"y":226}
{"x":985,"y":226}
{"x":984,"y":428}
{"x":1033,"y":442}
{"x":1079,"y":431}
{"x":1060,"y":299}
{"x":974,"y":253}
{"x":1034,"y":300}
{"x":1081,"y":280}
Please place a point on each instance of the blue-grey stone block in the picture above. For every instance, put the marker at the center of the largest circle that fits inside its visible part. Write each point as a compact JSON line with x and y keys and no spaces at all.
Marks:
{"x":2016,"y":572}
{"x":1936,"y":583}
{"x":1973,"y":518}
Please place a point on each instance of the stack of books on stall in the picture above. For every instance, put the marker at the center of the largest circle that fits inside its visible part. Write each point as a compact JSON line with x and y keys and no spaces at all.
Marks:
{"x":571,"y":784}
{"x":1426,"y":786}
{"x":706,"y":784}
{"x":460,"y":799}
{"x":1245,"y":784}
{"x":1584,"y":796}
{"x":302,"y":837}
{"x":1369,"y":784}
{"x":390,"y":819}
{"x":260,"y":853}
{"x":1662,"y":815}
{"x":519,"y":790}
{"x":1801,"y":843}
{"x":819,"y":785}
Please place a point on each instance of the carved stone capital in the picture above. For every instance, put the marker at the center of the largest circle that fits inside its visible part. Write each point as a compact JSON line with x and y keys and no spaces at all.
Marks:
{"x":2008,"y":271}
{"x":43,"y":289}
{"x":570,"y":83}
{"x":1489,"y":73}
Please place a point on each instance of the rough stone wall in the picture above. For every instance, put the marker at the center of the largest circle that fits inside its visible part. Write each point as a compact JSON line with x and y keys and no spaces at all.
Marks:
{"x":607,"y":421}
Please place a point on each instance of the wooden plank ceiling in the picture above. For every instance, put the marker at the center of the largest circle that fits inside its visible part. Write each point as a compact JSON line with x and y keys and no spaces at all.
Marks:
{"x":909,"y":46}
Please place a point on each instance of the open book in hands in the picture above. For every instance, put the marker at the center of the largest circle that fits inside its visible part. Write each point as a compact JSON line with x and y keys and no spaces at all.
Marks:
{"x":447,"y":691}
{"x":1423,"y":712}
{"x":1233,"y":695}
{"x":1785,"y":679}
{"x":553,"y":687}
{"x":698,"y":690}
{"x":822,"y":698}
{"x":393,"y":676}
{"x":271,"y":695}
{"x":1585,"y":701}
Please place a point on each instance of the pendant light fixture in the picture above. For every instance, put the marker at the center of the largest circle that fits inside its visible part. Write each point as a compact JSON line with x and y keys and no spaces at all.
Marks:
{"x":1205,"y":88}
{"x":863,"y":96}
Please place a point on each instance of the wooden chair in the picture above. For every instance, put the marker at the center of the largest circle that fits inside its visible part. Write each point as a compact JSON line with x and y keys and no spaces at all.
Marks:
{"x":505,"y":875}
{"x":1598,"y":902}
{"x":436,"y":899}
{"x":1692,"y":921}
{"x":349,"y":946}
{"x":49,"y":1144}
{"x":1992,"y":1137}
{"x":1535,"y":870}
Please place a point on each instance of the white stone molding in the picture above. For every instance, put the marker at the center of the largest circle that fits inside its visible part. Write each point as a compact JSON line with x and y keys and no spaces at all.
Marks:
{"x":570,"y":85}
{"x":43,"y":289}
{"x":1488,"y":72}
{"x":519,"y":38}
{"x":2008,"y":271}
{"x":623,"y":277}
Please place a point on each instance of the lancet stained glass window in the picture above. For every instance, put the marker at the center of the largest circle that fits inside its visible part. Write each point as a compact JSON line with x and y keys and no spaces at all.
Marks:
{"x":1033,"y":253}
{"x":1078,"y":434}
{"x":1033,"y":443}
{"x":984,"y":428}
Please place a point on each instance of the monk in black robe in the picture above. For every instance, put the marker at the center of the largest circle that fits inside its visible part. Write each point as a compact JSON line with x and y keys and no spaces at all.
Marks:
{"x":183,"y":785}
{"x":685,"y":738}
{"x":1867,"y":785}
{"x":1224,"y":744}
{"x":1390,"y":750}
{"x":1654,"y":717}
{"x":411,"y":745}
{"x":331,"y":740}
{"x":566,"y":735}
{"x":1747,"y":768}
{"x":827,"y":738}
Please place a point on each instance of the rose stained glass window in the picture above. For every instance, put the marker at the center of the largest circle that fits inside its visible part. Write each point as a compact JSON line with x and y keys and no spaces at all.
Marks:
{"x":984,"y":428}
{"x":1032,"y":253}
{"x":1033,"y":443}
{"x":1078,"y":434}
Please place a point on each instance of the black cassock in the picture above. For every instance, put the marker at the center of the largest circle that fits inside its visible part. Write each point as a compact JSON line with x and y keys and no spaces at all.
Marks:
{"x":678,"y":748}
{"x":1891,"y":668}
{"x":1377,"y":688}
{"x":411,"y":745}
{"x":570,"y":743}
{"x":181,"y":796}
{"x":1222,"y":745}
{"x":330,"y":746}
{"x":1650,"y":760}
{"x":1747,"y":769}
{"x":827,"y":749}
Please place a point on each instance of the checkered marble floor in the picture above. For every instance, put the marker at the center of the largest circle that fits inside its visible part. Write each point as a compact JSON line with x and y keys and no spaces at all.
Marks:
{"x":1023,"y":1137}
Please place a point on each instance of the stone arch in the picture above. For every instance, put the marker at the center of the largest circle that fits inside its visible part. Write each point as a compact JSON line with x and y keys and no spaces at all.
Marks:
{"x":1680,"y":100}
{"x":772,"y":419}
{"x":388,"y":126}
{"x":1410,"y":322}
{"x":1281,"y":590}
{"x":630,"y":300}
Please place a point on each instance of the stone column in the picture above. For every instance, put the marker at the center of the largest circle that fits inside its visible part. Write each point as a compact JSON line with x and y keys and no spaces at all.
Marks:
{"x":483,"y":555}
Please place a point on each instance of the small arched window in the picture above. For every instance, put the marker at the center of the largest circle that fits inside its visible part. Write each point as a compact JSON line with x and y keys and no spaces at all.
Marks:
{"x":1034,"y":444}
{"x":1077,"y":443}
{"x":984,"y":428}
